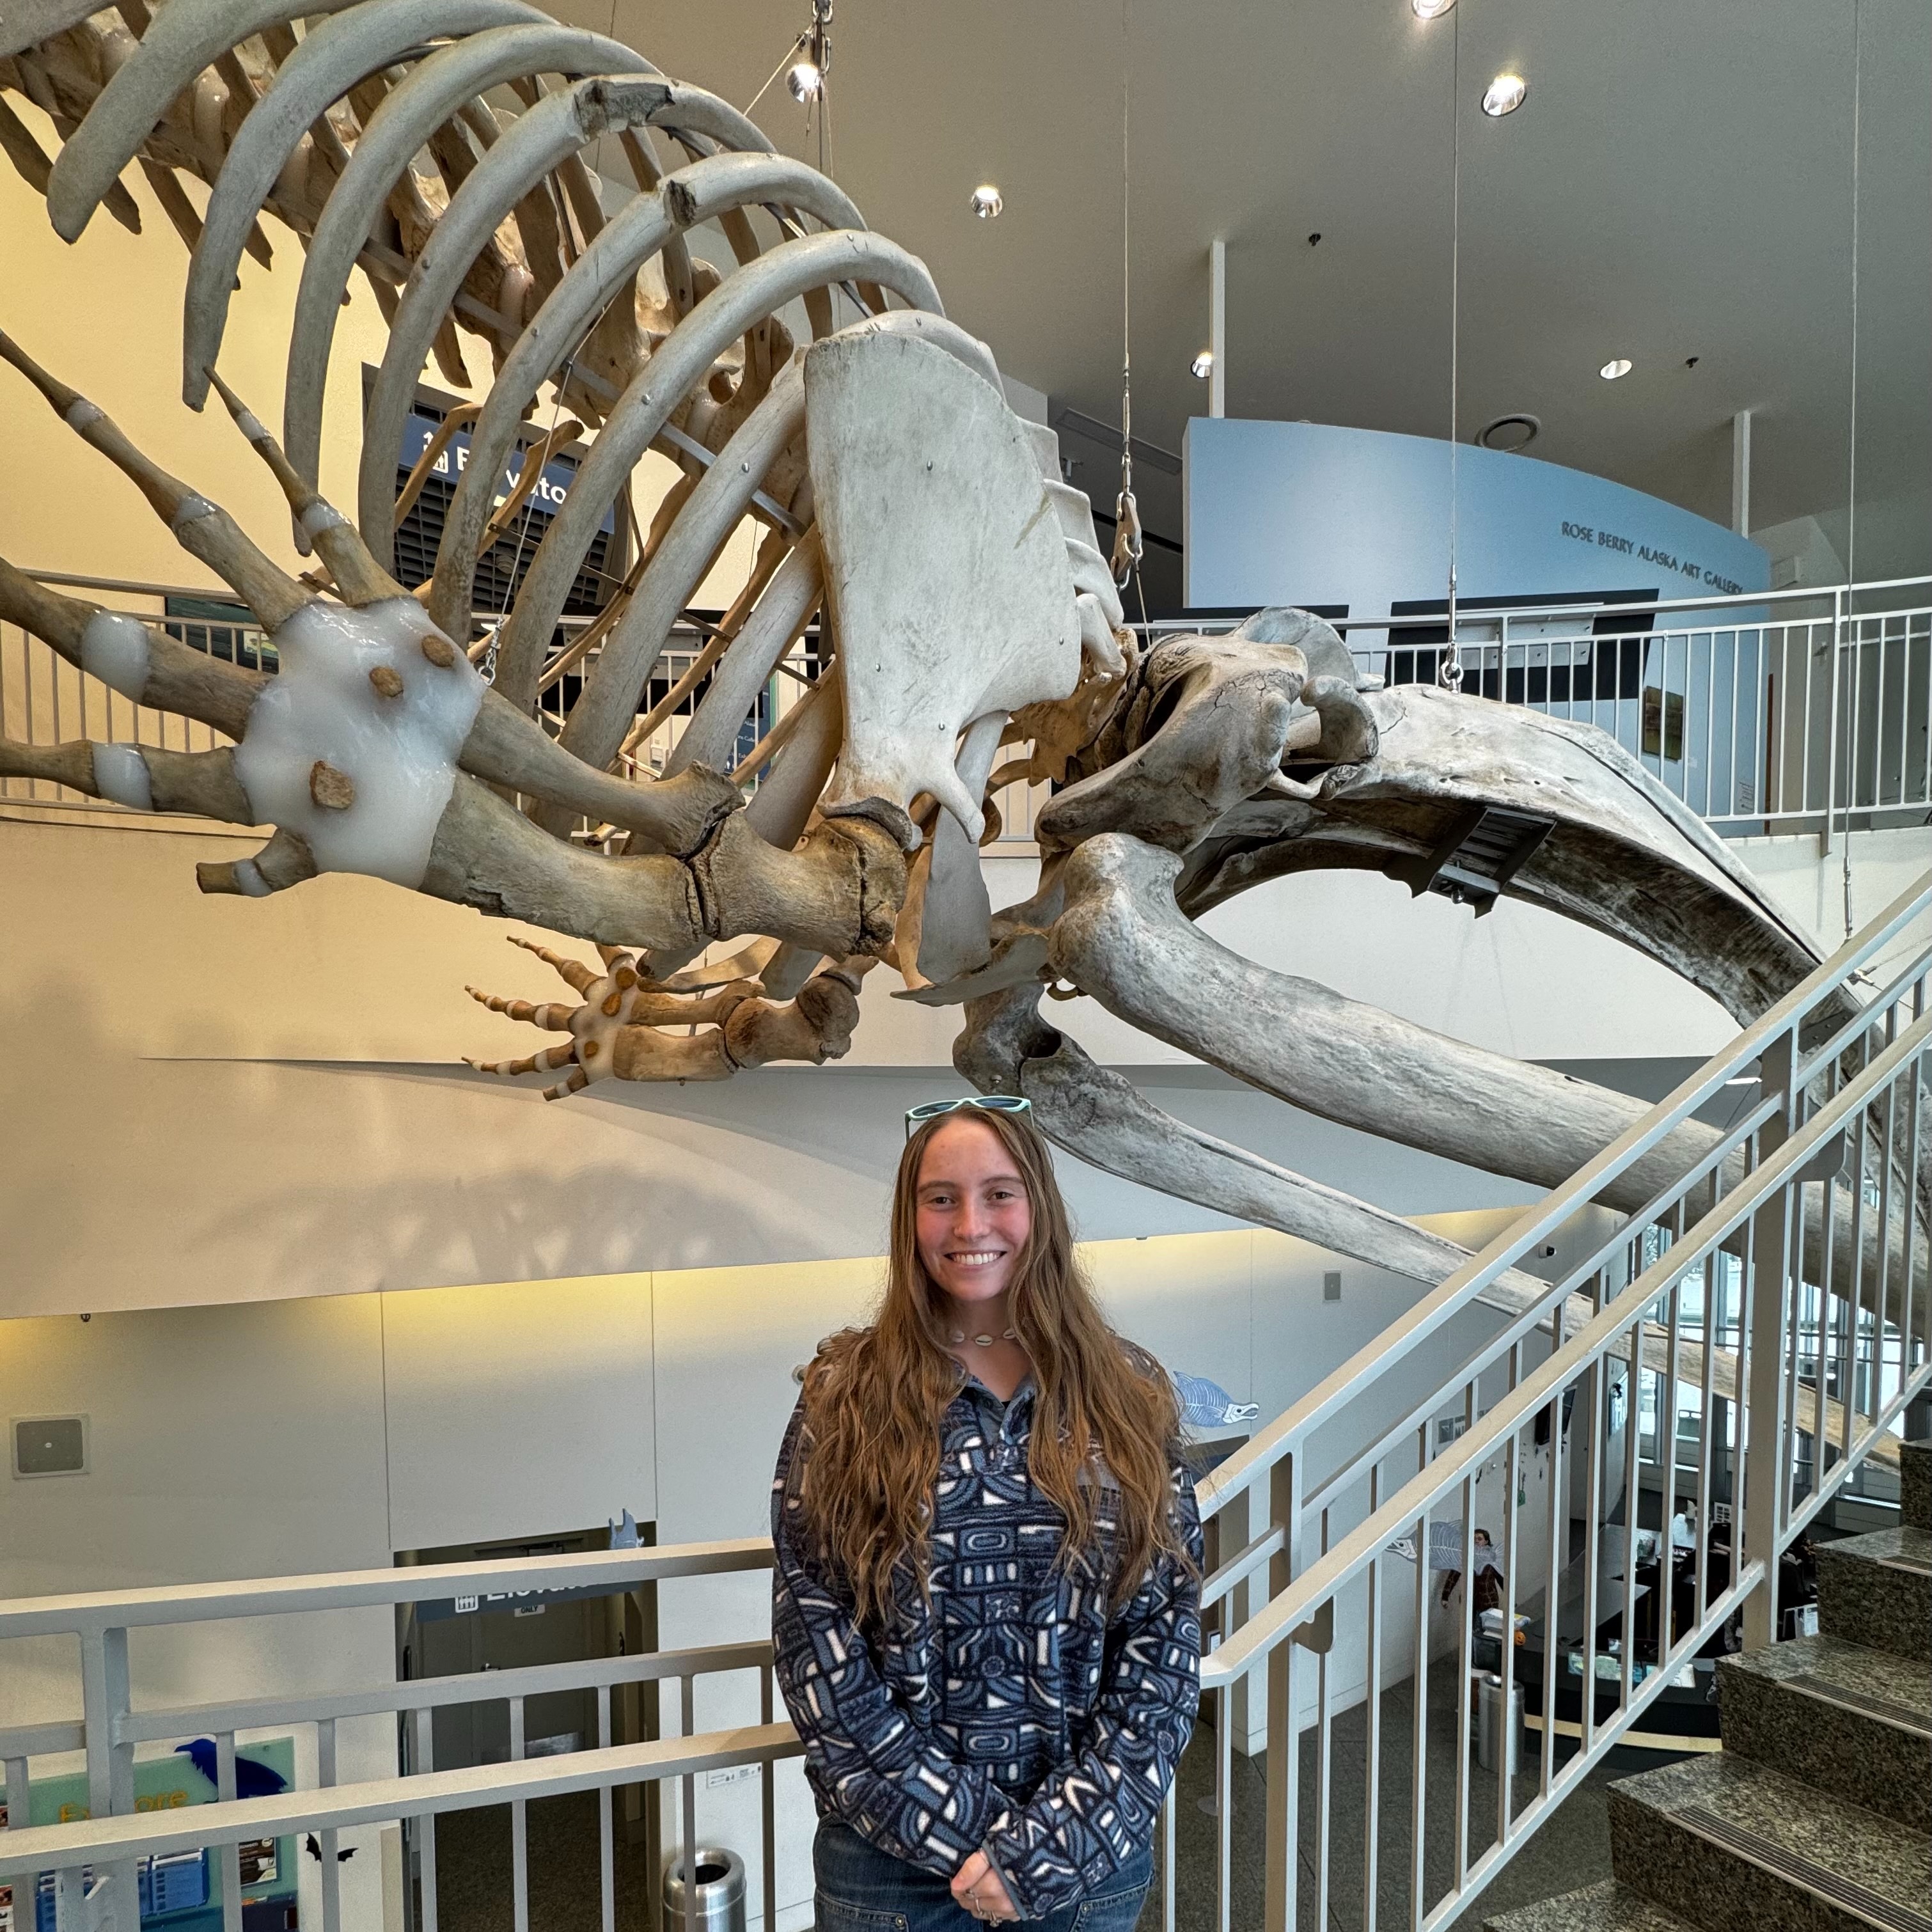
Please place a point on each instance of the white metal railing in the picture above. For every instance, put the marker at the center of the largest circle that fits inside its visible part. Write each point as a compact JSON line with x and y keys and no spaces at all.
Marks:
{"x":1764,"y":711}
{"x":1805,"y":1289}
{"x":45,"y":700}
{"x":91,"y":1870}
{"x":1774,"y":711}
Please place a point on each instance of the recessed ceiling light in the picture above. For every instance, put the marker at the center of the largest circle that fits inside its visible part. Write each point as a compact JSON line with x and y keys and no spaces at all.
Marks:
{"x":987,"y":201}
{"x":1427,"y":10}
{"x":1512,"y":432}
{"x":1504,"y":95}
{"x":1618,"y":365}
{"x":806,"y":79}
{"x":1202,"y":367}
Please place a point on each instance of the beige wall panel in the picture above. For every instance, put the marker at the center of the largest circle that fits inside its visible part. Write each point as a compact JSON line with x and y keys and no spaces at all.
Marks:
{"x":104,"y":313}
{"x":1188,"y":1301}
{"x":727,"y":1339}
{"x":224,"y":1443}
{"x":517,"y":1408}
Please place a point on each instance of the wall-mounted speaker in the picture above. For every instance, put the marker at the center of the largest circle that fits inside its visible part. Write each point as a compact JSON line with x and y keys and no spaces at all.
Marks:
{"x":50,"y":1445}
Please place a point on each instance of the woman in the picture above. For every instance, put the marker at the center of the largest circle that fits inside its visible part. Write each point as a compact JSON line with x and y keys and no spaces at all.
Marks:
{"x":986,"y":1601}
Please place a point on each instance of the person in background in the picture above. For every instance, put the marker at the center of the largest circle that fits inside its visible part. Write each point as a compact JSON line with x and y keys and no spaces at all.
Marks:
{"x":1485,"y":1593}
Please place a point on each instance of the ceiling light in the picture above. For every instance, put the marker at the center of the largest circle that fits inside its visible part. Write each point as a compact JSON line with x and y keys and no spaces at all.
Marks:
{"x":1202,"y":367}
{"x":987,"y":201}
{"x":806,"y":80}
{"x":1427,"y":10}
{"x":1504,"y":95}
{"x":1618,"y":365}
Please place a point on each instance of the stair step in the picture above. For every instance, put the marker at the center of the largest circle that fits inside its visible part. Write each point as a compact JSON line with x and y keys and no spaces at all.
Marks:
{"x":1915,"y":1484}
{"x":1734,"y":1847}
{"x":1876,"y":1590}
{"x":1854,"y":1722}
{"x":1606,"y":1907}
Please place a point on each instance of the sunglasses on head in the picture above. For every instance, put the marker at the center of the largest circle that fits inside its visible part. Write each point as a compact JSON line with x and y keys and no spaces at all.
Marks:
{"x":986,"y":1103}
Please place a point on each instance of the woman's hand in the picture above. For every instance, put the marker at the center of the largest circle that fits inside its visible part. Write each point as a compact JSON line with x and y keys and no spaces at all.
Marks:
{"x":978,"y":1889}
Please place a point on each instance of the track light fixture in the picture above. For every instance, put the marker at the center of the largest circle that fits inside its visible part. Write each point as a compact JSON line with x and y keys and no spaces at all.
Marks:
{"x":1202,"y":367}
{"x":806,"y":76}
{"x":986,"y":201}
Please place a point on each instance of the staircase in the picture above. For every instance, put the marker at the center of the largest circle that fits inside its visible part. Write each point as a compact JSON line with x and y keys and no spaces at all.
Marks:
{"x":1816,"y":1816}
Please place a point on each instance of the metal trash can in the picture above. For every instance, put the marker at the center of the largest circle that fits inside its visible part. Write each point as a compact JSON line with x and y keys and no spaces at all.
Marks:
{"x":720,"y":1892}
{"x":1491,"y":1748}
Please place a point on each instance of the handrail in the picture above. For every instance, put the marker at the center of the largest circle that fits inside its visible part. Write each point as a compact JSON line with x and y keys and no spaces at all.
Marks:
{"x":1255,"y":1638}
{"x":1758,"y":1318}
{"x":1393,"y":1344}
{"x":79,"y":1860}
{"x":352,"y":1589}
{"x":1543,"y":1312}
{"x":1489,"y":613}
{"x":432,"y":1693}
{"x":27,"y":1850}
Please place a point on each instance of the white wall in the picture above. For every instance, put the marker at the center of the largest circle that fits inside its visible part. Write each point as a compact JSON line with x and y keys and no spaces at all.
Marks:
{"x":224,"y":1443}
{"x":1811,"y":886}
{"x":277,"y":1084}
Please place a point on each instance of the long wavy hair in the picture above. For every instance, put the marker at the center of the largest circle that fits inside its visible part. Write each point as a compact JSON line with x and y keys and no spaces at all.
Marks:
{"x":1105,"y":1413}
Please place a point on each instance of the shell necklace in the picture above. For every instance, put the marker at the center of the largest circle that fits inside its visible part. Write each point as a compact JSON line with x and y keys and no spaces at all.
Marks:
{"x":983,"y":1341}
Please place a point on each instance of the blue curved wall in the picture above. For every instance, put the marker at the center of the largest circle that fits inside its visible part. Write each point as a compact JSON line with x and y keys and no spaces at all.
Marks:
{"x":1311,"y":514}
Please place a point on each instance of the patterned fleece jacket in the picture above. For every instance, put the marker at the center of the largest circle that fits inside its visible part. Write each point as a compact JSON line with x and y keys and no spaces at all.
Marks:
{"x":1009,"y":1713}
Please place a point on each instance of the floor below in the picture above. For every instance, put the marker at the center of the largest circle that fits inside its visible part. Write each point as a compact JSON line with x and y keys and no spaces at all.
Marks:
{"x":1571,"y":1848}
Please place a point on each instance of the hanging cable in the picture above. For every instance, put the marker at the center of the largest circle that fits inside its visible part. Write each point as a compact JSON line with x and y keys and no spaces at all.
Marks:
{"x":1851,"y":464}
{"x":1129,"y":544}
{"x":1449,"y":671}
{"x":785,"y":62}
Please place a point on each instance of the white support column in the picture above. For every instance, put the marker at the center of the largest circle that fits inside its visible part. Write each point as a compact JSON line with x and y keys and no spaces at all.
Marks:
{"x":1217,"y":327}
{"x":1741,"y":428}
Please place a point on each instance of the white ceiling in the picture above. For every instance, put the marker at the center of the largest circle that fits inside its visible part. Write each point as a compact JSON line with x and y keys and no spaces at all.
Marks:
{"x":1678,"y":183}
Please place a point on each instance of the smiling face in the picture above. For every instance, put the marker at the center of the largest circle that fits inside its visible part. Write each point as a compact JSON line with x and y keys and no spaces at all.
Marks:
{"x":972,"y":1214}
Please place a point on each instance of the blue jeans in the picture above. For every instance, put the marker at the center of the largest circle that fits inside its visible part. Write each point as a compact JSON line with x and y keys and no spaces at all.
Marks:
{"x":861,"y":1888}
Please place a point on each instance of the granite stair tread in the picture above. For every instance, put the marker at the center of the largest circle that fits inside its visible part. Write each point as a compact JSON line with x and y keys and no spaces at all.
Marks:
{"x":1853,"y":1721}
{"x":1735,"y":1847}
{"x":1915,"y":1484}
{"x":1608,"y":1907}
{"x":1876,"y":1590}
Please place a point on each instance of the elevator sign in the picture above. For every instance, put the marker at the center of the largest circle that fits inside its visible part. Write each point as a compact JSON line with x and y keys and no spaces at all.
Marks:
{"x":523,"y":1603}
{"x":548,"y":494}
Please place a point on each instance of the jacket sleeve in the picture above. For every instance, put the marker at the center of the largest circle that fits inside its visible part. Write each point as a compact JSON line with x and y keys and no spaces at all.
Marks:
{"x":877,"y":1767}
{"x":1093,"y":1812}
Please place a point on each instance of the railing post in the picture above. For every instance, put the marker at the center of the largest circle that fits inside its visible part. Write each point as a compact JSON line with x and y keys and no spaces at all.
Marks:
{"x":1761,"y":1429}
{"x":1824,"y":837}
{"x":1284,"y":1744}
{"x":1247,"y":1727}
{"x":110,"y":1761}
